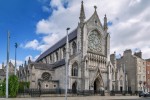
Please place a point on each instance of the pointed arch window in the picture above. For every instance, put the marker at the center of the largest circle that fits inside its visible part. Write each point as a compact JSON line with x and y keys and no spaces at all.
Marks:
{"x":50,"y":57}
{"x":64,"y":52}
{"x":56,"y":56}
{"x":74,"y":48}
{"x":74,"y":70}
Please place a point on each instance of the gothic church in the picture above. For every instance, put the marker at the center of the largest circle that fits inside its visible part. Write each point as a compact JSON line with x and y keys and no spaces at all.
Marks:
{"x":89,"y":65}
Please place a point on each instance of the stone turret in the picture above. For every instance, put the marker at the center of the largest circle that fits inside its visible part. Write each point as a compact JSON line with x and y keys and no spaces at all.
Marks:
{"x":25,"y":63}
{"x":138,"y":54}
{"x":105,"y":23}
{"x":82,"y":15}
{"x":3,"y":67}
{"x":29,"y":60}
{"x":113,"y":59}
{"x":127,"y":52}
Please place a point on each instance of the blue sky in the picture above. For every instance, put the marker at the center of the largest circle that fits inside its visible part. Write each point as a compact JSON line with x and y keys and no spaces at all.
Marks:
{"x":20,"y":18}
{"x":38,"y":24}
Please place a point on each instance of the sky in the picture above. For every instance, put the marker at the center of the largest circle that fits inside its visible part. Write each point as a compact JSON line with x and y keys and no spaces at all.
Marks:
{"x":38,"y":24}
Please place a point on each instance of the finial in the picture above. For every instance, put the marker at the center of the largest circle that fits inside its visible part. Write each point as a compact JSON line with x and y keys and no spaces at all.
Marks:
{"x":82,"y":14}
{"x":105,"y":15}
{"x":95,"y":7}
{"x":82,"y":1}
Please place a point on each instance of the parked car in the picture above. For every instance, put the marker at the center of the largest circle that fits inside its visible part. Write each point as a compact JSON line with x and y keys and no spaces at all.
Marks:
{"x":144,"y":94}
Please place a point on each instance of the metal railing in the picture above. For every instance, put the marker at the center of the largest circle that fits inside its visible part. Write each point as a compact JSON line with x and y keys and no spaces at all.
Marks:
{"x":112,"y":93}
{"x":39,"y":92}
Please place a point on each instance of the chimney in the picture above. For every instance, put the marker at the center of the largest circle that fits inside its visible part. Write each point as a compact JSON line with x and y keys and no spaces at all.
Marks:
{"x":138,"y":54}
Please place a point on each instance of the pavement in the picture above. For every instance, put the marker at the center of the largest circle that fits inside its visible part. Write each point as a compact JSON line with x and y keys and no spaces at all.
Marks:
{"x":83,"y":98}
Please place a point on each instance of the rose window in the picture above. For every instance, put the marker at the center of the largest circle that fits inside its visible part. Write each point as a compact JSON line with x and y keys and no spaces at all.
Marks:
{"x":46,"y":76}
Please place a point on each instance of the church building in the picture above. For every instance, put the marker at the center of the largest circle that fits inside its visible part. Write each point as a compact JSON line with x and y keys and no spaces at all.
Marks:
{"x":89,"y":65}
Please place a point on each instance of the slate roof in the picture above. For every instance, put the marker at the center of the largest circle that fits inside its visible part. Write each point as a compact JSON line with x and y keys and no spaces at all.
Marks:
{"x":43,"y":66}
{"x":59,"y":44}
{"x":59,"y":63}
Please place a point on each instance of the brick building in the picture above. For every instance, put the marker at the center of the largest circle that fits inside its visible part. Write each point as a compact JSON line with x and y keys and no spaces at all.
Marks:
{"x":148,"y":74}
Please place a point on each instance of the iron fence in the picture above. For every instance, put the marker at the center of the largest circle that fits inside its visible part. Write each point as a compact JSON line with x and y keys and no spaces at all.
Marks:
{"x":112,"y":93}
{"x":39,"y":92}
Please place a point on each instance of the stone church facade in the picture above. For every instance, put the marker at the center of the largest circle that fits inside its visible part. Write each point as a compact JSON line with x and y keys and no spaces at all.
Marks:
{"x":89,"y":65}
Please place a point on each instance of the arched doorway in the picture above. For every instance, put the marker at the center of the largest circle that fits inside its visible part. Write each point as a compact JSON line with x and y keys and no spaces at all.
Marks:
{"x":97,"y":85}
{"x":74,"y":87}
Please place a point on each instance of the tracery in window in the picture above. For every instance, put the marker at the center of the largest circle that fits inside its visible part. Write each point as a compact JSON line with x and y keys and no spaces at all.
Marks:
{"x":74,"y":48}
{"x":46,"y":76}
{"x":56,"y":56}
{"x":64,"y":52}
{"x":74,"y":69}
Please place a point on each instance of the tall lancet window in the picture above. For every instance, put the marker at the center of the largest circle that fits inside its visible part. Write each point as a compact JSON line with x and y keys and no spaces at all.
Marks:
{"x":50,"y":58}
{"x":64,"y":52}
{"x":56,"y":56}
{"x":74,"y":70}
{"x":74,"y":48}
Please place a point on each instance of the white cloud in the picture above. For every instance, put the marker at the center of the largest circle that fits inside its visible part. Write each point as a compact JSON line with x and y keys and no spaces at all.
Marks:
{"x":129,"y":30}
{"x":31,"y":57}
{"x":133,"y":2}
{"x":32,"y":44}
{"x":0,"y":66}
{"x":46,"y":9}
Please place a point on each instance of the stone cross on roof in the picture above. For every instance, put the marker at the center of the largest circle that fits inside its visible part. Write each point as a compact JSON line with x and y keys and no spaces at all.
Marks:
{"x":95,"y":7}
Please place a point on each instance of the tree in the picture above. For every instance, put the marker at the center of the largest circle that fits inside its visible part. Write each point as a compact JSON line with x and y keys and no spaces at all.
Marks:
{"x":13,"y":85}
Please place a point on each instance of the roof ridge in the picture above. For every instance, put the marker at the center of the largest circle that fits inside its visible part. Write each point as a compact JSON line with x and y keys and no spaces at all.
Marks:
{"x":61,"y":40}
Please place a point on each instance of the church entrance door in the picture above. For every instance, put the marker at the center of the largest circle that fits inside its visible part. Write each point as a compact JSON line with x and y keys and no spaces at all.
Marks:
{"x":121,"y":88}
{"x":74,"y":87}
{"x":96,"y":85}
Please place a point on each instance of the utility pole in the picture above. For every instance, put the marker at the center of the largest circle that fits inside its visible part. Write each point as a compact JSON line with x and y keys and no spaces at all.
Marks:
{"x":16,"y":45}
{"x":7,"y":68}
{"x":67,"y":58}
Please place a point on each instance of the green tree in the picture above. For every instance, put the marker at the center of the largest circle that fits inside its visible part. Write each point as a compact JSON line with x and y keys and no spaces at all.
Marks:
{"x":1,"y":89}
{"x":13,"y":85}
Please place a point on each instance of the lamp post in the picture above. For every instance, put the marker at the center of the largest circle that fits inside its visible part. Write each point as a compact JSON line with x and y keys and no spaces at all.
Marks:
{"x":16,"y":45}
{"x":67,"y":58}
{"x":7,"y":68}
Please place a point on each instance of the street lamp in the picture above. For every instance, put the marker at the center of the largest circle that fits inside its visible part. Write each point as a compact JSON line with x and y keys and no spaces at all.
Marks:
{"x":16,"y":45}
{"x":67,"y":58}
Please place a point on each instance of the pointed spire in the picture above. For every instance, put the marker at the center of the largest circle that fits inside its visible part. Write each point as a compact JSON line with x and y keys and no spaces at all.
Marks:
{"x":2,"y":65}
{"x":25,"y":63}
{"x":29,"y":60}
{"x":82,"y":14}
{"x":105,"y":23}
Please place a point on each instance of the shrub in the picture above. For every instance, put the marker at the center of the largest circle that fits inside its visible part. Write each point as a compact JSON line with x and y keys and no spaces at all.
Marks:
{"x":12,"y":86}
{"x":23,"y":85}
{"x":1,"y":89}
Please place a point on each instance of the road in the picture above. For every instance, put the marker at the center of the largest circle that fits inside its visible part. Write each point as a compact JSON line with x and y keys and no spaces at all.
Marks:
{"x":84,"y":98}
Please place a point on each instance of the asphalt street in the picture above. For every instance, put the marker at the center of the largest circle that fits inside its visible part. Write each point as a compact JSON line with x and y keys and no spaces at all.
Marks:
{"x":84,"y":98}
